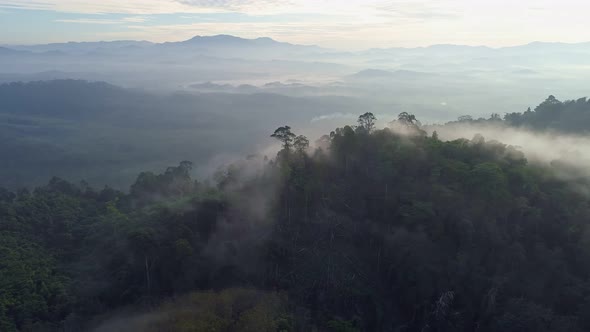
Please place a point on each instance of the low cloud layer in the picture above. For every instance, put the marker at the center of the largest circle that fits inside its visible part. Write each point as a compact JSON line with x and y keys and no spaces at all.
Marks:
{"x":544,"y":147}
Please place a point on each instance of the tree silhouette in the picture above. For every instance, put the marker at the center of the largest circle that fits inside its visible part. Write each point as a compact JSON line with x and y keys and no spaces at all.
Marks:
{"x":367,"y":121}
{"x":301,"y":143}
{"x":284,"y":135}
{"x":406,"y":119}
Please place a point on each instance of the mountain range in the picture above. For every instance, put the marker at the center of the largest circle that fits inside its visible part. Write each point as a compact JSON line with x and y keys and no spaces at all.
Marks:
{"x":454,"y":77}
{"x":204,"y":44}
{"x":229,"y":42}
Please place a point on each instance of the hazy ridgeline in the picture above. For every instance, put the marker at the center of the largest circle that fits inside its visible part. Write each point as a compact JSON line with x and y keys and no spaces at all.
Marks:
{"x":438,"y":82}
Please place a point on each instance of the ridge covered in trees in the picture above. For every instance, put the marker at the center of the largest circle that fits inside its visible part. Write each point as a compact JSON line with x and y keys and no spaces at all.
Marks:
{"x":371,"y":230}
{"x":570,"y":116}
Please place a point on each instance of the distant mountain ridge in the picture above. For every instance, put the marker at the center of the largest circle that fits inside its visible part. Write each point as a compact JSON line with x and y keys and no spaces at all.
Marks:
{"x":9,"y":51}
{"x":205,"y":42}
{"x":224,"y":41}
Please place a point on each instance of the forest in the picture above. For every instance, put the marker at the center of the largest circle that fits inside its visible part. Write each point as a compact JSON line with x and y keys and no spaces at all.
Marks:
{"x":365,"y":229}
{"x":570,"y":116}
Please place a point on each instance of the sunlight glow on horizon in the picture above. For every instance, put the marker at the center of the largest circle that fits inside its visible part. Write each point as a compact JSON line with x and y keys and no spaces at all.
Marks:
{"x":353,"y":24}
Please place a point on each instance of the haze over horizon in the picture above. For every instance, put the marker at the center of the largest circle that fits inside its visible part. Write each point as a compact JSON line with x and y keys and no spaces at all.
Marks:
{"x":253,"y":38}
{"x":349,"y":25}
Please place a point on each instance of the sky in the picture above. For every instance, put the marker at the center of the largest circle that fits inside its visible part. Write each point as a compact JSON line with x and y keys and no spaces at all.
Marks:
{"x":339,"y":24}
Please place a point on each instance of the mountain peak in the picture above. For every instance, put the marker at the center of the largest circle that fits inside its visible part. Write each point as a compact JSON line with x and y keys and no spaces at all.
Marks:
{"x":218,"y":39}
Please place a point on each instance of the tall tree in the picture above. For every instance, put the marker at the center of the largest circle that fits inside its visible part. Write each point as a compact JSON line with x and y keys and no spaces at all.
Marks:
{"x":406,"y":119}
{"x":301,"y":143}
{"x":367,"y":121}
{"x":284,"y":135}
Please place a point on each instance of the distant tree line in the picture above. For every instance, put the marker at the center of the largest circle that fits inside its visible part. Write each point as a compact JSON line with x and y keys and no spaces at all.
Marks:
{"x":572,"y":116}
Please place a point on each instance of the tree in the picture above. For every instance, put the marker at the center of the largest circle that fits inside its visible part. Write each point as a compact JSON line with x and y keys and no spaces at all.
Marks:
{"x":465,"y":118}
{"x":513,"y":119}
{"x":367,"y":121}
{"x":551,"y":100}
{"x":144,"y":244}
{"x":284,"y":135}
{"x":407,"y":119}
{"x":495,"y":117}
{"x":301,"y":143}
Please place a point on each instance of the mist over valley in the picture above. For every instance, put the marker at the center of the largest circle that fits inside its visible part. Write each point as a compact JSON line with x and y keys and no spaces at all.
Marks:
{"x":294,"y":166}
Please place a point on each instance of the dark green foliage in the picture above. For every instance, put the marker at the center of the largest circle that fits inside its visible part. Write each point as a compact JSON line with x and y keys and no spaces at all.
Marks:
{"x":374,"y":231}
{"x":285,"y":136}
{"x":411,"y":233}
{"x":68,"y":251}
{"x":301,"y":143}
{"x":174,"y":183}
{"x":367,"y":122}
{"x":571,"y":116}
{"x":33,"y":294}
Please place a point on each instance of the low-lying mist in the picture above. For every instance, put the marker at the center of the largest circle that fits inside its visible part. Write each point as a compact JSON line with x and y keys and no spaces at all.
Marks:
{"x":545,"y":147}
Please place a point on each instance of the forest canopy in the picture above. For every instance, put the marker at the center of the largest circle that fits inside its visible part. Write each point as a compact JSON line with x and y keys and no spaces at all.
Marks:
{"x":369,"y":230}
{"x":570,"y":116}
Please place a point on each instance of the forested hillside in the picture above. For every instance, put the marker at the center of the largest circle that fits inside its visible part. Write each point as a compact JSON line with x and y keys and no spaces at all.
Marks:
{"x":570,"y":116}
{"x":371,"y":230}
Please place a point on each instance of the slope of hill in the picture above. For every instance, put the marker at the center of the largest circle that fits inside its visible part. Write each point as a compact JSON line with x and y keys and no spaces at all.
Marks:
{"x":373,"y":231}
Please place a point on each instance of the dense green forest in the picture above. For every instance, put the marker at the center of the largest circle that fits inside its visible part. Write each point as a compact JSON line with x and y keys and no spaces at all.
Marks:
{"x":371,"y":230}
{"x":570,"y":116}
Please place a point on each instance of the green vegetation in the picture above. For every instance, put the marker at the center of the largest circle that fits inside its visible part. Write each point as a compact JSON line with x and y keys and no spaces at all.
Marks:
{"x":374,"y":230}
{"x":571,"y":116}
{"x":106,"y":135}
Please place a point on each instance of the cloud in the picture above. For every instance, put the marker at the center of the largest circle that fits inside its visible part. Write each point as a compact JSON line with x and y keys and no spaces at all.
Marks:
{"x":334,"y":116}
{"x":245,"y":6}
{"x":89,"y":21}
{"x":135,"y":19}
{"x":346,"y":24}
{"x":135,"y":7}
{"x":147,"y":7}
{"x":99,"y":21}
{"x":419,"y":10}
{"x":543,"y":147}
{"x":362,"y":9}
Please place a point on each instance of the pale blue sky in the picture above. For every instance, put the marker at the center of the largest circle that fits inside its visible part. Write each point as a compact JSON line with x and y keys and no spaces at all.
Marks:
{"x":352,"y":24}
